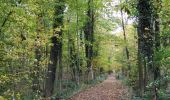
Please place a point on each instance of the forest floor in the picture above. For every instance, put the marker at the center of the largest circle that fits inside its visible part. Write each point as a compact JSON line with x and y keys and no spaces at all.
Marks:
{"x":110,"y":89}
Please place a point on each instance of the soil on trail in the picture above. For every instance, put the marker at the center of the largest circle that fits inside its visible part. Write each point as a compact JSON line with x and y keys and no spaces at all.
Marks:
{"x":110,"y":89}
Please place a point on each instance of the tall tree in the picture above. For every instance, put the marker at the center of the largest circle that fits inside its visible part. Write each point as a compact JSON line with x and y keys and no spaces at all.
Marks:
{"x":72,"y":52}
{"x":56,"y":48}
{"x":157,"y":43}
{"x":125,"y":39}
{"x":89,"y":37}
{"x":148,"y":43}
{"x":145,"y":39}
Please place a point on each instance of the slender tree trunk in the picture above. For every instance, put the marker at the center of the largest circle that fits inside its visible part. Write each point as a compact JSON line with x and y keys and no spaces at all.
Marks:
{"x":140,"y":69}
{"x":73,"y":59}
{"x":78,"y":46}
{"x":157,"y":43}
{"x":145,"y":36}
{"x":72,"y":53}
{"x":149,"y":34}
{"x":145,"y":78}
{"x":89,"y":37}
{"x":125,"y":39}
{"x":56,"y":49}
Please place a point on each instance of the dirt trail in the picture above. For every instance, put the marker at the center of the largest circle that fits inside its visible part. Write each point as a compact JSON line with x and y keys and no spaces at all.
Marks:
{"x":110,"y":89}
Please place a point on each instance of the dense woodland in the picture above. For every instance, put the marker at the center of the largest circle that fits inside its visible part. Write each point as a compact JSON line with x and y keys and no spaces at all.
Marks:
{"x":52,"y":49}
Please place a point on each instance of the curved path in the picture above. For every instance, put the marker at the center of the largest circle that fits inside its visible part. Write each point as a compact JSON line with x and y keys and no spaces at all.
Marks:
{"x":110,"y":89}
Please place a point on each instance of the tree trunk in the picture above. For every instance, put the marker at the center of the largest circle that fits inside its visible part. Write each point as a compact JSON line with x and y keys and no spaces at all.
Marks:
{"x":78,"y":46}
{"x":157,"y":40}
{"x":140,"y":68}
{"x":126,"y":47}
{"x":145,"y":35}
{"x":89,"y":37}
{"x":56,"y":49}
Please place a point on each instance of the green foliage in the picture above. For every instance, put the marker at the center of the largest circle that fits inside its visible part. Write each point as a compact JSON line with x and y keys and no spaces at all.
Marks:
{"x":27,"y":26}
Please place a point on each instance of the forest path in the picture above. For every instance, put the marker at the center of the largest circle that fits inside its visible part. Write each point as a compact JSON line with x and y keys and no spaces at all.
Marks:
{"x":110,"y":89}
